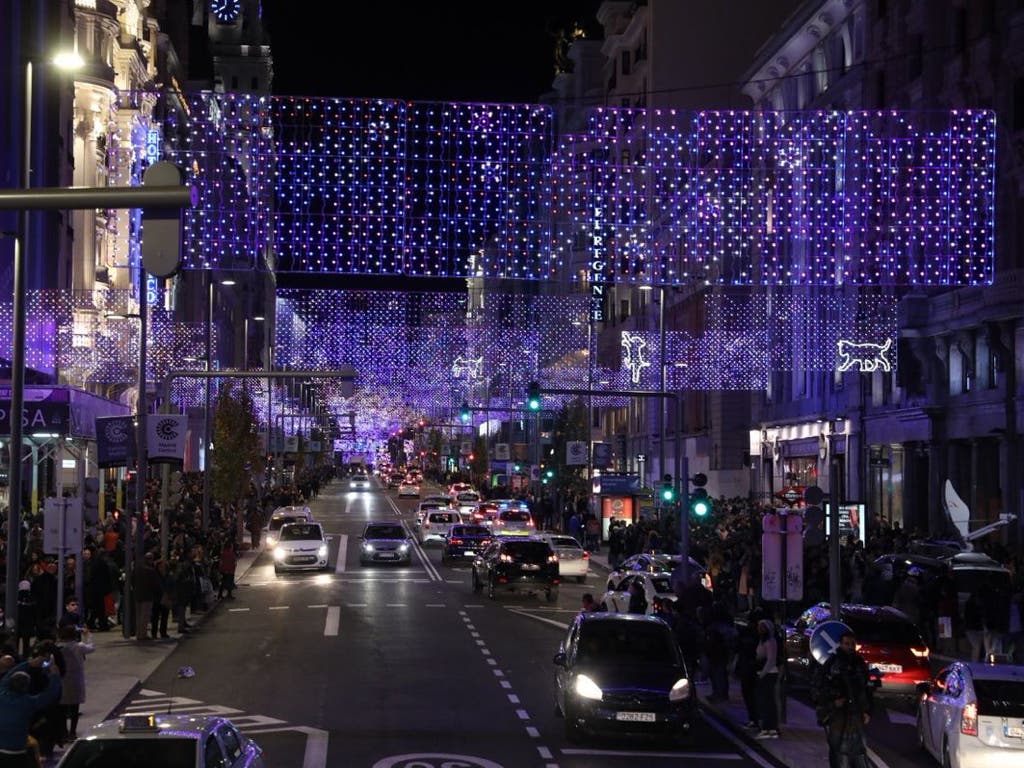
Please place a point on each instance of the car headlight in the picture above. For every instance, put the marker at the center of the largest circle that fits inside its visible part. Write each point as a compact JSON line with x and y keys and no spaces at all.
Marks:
{"x":322,"y":552}
{"x":367,"y":547}
{"x":587,"y":688}
{"x":279,"y":553}
{"x":403,"y":548}
{"x":680,"y":691}
{"x":271,"y":541}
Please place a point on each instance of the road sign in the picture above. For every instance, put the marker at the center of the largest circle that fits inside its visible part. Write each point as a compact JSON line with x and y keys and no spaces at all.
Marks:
{"x":782,"y":575}
{"x":62,"y":526}
{"x":825,"y":639}
{"x":575,"y":453}
{"x":501,"y":452}
{"x":602,"y":455}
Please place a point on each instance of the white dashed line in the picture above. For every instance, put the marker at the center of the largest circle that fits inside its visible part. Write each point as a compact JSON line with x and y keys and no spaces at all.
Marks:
{"x":355,"y":605}
{"x":339,"y":566}
{"x":513,"y":699}
{"x":485,"y":652}
{"x":279,"y":607}
{"x":318,"y":605}
{"x":237,"y":610}
{"x":506,"y":684}
{"x":395,"y":605}
{"x":333,"y":621}
{"x":480,"y":642}
{"x":544,"y":752}
{"x":522,"y":714}
{"x":435,"y":605}
{"x":532,"y":732}
{"x":498,"y":673}
{"x":492,"y":662}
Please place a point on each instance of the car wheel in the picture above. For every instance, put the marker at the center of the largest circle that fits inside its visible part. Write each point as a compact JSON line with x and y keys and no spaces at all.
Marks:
{"x":477,"y":586}
{"x":581,"y":579}
{"x":277,"y":571}
{"x":551,"y":594}
{"x":491,"y":592}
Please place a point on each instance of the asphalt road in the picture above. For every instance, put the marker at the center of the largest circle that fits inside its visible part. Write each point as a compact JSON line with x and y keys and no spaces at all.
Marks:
{"x":395,"y":667}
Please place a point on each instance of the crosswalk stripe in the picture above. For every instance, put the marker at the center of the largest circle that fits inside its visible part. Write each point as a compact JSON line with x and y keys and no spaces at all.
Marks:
{"x":333,"y":621}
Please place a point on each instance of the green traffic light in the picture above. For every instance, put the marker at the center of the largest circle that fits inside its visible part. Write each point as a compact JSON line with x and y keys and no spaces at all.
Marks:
{"x":668,"y":494}
{"x":701,"y":508}
{"x":534,"y":404}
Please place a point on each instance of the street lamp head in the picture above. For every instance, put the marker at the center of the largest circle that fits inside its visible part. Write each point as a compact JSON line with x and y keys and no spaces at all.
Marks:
{"x":259,"y":318}
{"x":229,"y":281}
{"x":68,"y":61}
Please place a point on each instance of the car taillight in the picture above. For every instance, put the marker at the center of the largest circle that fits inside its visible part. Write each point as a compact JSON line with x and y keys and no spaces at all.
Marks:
{"x":552,"y":558}
{"x":921,"y":653}
{"x":529,"y":523}
{"x":485,"y":542}
{"x":586,"y":555}
{"x":969,"y":720}
{"x":506,"y":558}
{"x":455,"y":541}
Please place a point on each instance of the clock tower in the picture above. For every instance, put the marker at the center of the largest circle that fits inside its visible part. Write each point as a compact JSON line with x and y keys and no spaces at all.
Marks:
{"x":241,"y":50}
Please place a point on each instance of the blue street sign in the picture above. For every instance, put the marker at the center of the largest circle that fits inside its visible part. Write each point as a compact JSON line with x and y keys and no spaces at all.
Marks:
{"x":825,"y":639}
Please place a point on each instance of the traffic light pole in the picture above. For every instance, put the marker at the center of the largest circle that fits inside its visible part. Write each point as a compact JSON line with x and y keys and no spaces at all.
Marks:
{"x":682,"y":464}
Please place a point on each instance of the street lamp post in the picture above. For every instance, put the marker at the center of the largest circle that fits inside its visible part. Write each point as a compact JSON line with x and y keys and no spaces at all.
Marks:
{"x":207,"y":420}
{"x":67,"y":62}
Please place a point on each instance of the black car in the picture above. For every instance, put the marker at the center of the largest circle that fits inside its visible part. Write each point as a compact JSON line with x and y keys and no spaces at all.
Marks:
{"x":623,"y":674}
{"x":385,"y":543}
{"x":511,"y":565}
{"x":464,"y":542}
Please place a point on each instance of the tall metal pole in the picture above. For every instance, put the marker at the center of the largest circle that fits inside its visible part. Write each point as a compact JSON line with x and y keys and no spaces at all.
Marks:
{"x":18,"y":373}
{"x":834,"y":576}
{"x":134,"y":539}
{"x":207,"y":421}
{"x":270,"y":403}
{"x":662,"y":437}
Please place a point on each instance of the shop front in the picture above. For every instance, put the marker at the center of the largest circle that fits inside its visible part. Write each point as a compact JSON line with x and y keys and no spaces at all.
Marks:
{"x":617,"y":497}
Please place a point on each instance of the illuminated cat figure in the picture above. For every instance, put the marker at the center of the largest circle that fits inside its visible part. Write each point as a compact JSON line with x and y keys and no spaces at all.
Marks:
{"x":470,"y":367}
{"x":633,"y":354}
{"x":865,"y":356}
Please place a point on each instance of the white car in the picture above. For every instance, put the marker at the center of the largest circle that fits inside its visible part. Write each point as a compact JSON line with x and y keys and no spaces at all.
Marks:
{"x":359,"y":483}
{"x":573,"y":559}
{"x":466,"y":502}
{"x":281,"y":516}
{"x":656,"y":562}
{"x":188,"y":740}
{"x":437,"y":524}
{"x":655,"y":585}
{"x":430,"y":505}
{"x":513,"y":522}
{"x":973,"y":716}
{"x":301,"y":546}
{"x":409,"y":489}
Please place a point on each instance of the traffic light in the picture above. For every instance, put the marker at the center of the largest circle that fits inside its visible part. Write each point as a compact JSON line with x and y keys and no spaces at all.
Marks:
{"x":668,"y":490}
{"x":518,"y":467}
{"x":465,"y":413}
{"x":700,"y":503}
{"x":533,"y":396}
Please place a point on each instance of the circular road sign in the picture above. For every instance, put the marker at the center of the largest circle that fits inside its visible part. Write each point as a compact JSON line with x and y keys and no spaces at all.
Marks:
{"x":825,"y":639}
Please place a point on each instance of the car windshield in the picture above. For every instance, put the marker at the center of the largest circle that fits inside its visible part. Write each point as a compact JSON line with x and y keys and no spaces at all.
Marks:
{"x":661,"y":585}
{"x":1001,"y":698}
{"x":359,"y":478}
{"x":885,"y":632}
{"x":300,"y":532}
{"x":384,"y":532}
{"x":470,"y":530}
{"x":565,"y":541}
{"x":626,"y":643}
{"x":443,"y":517}
{"x":469,"y":496}
{"x":277,"y":522}
{"x":515,"y":516}
{"x":132,"y":753}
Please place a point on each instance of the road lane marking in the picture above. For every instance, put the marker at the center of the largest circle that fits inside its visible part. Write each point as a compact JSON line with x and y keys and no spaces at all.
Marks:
{"x":333,"y":621}
{"x":544,"y":619}
{"x":279,"y":607}
{"x":544,"y":752}
{"x":513,"y":699}
{"x":479,"y":642}
{"x":236,"y":610}
{"x":485,"y":652}
{"x":498,"y":673}
{"x":339,"y":566}
{"x":492,"y":662}
{"x":506,"y":684}
{"x":522,"y":714}
{"x":396,"y":605}
{"x":670,"y":755}
{"x":740,"y":744}
{"x":436,"y":605}
{"x":355,"y":605}
{"x":532,"y":732}
{"x":318,"y":605}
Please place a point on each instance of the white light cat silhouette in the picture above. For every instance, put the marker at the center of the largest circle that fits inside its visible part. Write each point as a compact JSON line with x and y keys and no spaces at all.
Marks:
{"x":633,"y":347}
{"x":470,"y":367}
{"x":867,"y":357}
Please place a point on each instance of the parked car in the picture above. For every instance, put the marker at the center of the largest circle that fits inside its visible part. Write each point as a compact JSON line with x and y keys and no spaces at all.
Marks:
{"x":164,"y":741}
{"x":886,"y":638}
{"x":384,"y":542}
{"x":655,"y":562}
{"x":623,"y":674}
{"x":510,"y":565}
{"x":973,"y":572}
{"x":301,"y":546}
{"x":464,"y":542}
{"x":972,"y":716}
{"x":573,"y":559}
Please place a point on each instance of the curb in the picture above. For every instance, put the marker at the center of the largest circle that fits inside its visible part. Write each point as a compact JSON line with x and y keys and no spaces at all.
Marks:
{"x":124,"y":701}
{"x":741,"y":733}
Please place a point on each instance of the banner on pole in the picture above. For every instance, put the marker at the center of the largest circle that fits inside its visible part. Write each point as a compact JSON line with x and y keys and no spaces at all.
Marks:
{"x":115,"y":441}
{"x":166,"y":438}
{"x":576,"y":453}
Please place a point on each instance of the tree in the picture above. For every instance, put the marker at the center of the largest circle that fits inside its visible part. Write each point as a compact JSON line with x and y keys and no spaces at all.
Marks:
{"x":236,"y":456}
{"x":478,"y":464}
{"x":570,"y":423}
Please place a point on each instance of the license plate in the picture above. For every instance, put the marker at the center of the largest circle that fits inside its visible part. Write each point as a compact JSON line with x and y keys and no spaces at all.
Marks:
{"x":893,"y":669}
{"x":1013,"y":731}
{"x":531,"y":567}
{"x":304,"y":559}
{"x":469,"y":554}
{"x":636,"y":717}
{"x":386,"y":555}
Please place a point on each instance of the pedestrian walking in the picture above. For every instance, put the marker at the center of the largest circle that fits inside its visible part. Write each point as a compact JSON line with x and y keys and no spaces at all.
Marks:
{"x":147,"y":584}
{"x":841,"y":690}
{"x":766,"y":656}
{"x":226,"y":568}
{"x":746,"y":665}
{"x":73,"y":691}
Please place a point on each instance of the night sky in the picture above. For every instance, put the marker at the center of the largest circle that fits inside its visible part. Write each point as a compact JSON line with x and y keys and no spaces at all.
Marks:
{"x":476,"y":50}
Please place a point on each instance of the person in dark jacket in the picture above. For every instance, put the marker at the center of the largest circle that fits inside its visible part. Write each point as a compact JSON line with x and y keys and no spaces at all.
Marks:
{"x":44,"y":590}
{"x":637,"y":599}
{"x":147,"y":585}
{"x":19,"y":706}
{"x":841,"y":690}
{"x":26,"y":617}
{"x":746,"y":665}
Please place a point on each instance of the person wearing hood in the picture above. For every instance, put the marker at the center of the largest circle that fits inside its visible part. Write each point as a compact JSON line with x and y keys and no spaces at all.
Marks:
{"x":767,"y":679}
{"x":841,"y":690}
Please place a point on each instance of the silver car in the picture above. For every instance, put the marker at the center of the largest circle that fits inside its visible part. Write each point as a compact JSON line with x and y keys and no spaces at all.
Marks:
{"x":359,"y":483}
{"x":164,"y":741}
{"x":300,"y":546}
{"x":573,"y":559}
{"x":385,"y":543}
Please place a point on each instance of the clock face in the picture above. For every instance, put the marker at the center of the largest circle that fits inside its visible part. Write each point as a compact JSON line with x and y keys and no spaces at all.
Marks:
{"x":226,"y":11}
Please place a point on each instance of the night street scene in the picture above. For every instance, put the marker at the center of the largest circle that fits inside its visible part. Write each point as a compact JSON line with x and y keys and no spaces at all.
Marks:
{"x":548,"y":384}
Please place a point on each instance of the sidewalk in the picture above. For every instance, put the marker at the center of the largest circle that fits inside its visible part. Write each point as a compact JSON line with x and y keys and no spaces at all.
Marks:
{"x":802,"y":741}
{"x":118,"y":665}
